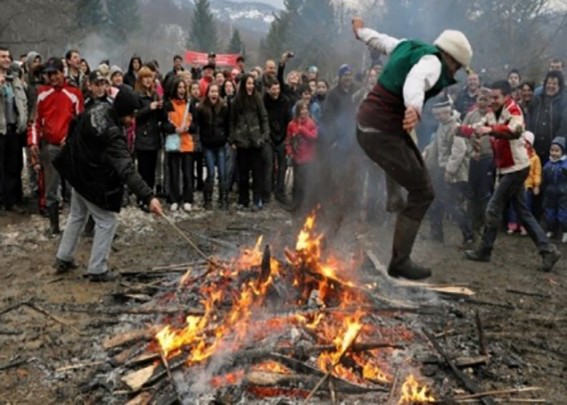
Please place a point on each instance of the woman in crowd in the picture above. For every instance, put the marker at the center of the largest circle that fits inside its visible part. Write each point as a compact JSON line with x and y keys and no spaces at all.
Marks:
{"x":526,"y":96}
{"x":148,"y":118}
{"x":133,"y":68}
{"x":249,"y":132}
{"x":214,"y":125}
{"x":180,"y":144}
{"x":85,"y":68}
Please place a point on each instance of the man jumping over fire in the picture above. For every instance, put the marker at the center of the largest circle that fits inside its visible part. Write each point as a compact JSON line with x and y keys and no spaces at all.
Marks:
{"x":415,"y":72}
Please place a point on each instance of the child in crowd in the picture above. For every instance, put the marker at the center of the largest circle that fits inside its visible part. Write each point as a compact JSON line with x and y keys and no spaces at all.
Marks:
{"x":448,"y":158}
{"x":532,"y":185}
{"x":300,"y":145}
{"x":481,"y":167}
{"x":555,"y":189}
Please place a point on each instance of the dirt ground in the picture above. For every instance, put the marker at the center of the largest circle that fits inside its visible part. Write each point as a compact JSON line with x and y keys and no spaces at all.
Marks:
{"x":527,"y":333}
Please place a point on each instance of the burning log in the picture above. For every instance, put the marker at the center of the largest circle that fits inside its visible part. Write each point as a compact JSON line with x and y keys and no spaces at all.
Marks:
{"x":350,"y":336}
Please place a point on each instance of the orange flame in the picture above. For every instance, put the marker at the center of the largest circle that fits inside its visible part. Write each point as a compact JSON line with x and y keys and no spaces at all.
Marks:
{"x":414,"y":393}
{"x":272,"y":367}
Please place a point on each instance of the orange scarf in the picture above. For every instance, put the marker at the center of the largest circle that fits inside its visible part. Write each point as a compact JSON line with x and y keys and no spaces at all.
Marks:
{"x":176,"y":117}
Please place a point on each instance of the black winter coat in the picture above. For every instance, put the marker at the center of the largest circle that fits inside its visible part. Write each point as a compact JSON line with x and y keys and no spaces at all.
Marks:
{"x":279,"y":116}
{"x":249,"y":123}
{"x":214,"y":125}
{"x":148,"y":124}
{"x":96,"y":161}
{"x":547,"y":118}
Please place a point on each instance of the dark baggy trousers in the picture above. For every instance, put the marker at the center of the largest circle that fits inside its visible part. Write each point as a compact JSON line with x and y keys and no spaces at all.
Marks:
{"x":398,"y":155}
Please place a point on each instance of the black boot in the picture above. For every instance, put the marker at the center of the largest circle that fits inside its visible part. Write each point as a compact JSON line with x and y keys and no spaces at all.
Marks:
{"x":54,"y":220}
{"x":223,"y":200}
{"x":404,"y":238}
{"x":395,"y":201}
{"x":549,"y":258}
{"x":479,"y":255}
{"x":208,"y":197}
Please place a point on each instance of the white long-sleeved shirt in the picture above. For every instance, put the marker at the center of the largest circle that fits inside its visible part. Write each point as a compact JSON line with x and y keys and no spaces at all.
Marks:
{"x":422,"y":76}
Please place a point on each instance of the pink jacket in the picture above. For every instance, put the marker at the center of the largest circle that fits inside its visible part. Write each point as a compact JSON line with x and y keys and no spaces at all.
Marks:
{"x":300,"y":140}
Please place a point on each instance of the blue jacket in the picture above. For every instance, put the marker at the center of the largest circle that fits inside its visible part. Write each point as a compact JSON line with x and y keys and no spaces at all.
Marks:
{"x":555,"y":178}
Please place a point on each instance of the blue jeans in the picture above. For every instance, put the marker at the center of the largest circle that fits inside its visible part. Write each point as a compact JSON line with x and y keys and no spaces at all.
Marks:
{"x":215,"y":157}
{"x":511,"y":188}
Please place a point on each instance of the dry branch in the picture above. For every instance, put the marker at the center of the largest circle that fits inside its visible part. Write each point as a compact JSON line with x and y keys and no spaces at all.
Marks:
{"x":469,"y":384}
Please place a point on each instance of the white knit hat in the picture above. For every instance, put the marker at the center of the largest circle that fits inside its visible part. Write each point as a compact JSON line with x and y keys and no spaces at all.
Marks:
{"x":529,"y":137}
{"x":456,"y":44}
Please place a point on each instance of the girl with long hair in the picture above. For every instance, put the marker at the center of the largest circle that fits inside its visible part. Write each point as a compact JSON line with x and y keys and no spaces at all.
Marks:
{"x":248,"y":134}
{"x":180,"y":144}
{"x":214,"y":125}
{"x":148,"y":119}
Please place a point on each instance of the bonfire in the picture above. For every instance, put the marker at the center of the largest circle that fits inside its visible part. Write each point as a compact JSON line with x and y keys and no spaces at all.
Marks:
{"x":296,"y":327}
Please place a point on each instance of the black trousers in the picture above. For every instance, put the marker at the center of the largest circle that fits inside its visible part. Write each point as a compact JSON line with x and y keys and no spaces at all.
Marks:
{"x":398,"y":155}
{"x":147,"y":161}
{"x":11,"y":165}
{"x":250,"y":160}
{"x":180,"y":169}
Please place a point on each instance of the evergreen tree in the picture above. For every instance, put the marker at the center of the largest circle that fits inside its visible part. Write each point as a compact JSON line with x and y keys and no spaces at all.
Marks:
{"x":276,"y":42}
{"x":235,"y":45}
{"x":203,"y":33}
{"x":91,"y":15}
{"x":123,"y":19}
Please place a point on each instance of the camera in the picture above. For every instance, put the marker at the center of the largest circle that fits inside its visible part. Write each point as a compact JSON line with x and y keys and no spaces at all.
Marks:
{"x":290,"y":55}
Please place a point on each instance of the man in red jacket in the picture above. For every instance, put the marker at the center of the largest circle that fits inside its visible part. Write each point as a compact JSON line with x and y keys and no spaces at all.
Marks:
{"x":57,"y":104}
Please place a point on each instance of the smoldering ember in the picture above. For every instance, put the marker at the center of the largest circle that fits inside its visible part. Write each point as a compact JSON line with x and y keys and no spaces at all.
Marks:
{"x":272,"y":202}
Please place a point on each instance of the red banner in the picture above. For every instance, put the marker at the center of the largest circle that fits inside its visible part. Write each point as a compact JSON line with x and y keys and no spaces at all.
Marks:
{"x":200,"y":58}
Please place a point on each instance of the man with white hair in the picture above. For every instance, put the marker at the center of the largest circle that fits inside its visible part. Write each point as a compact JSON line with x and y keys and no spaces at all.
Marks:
{"x":415,"y":72}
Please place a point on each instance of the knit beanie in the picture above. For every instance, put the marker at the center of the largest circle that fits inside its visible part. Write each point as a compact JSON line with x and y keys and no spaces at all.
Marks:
{"x":115,"y":69}
{"x":456,"y":44}
{"x":559,"y":141}
{"x":344,"y":69}
{"x":126,"y":102}
{"x":529,"y":137}
{"x":442,"y":106}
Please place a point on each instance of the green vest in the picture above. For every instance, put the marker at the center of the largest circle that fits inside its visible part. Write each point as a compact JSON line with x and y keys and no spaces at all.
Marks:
{"x":403,"y":59}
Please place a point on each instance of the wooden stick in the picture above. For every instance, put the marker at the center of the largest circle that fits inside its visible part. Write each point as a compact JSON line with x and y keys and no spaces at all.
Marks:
{"x":13,"y":364}
{"x":394,"y":388}
{"x":169,"y":375}
{"x":528,"y":293}
{"x":331,"y":369}
{"x":189,"y":241}
{"x":37,"y":308}
{"x":497,"y":392}
{"x":80,"y":365}
{"x":175,"y":266}
{"x":332,"y":392}
{"x":481,"y":336}
{"x":12,"y":307}
{"x":467,"y":382}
